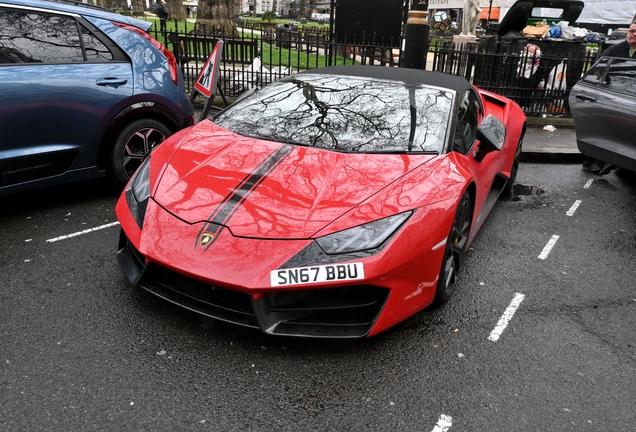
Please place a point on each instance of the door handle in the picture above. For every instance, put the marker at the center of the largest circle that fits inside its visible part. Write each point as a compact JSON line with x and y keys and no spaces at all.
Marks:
{"x":585,"y":98}
{"x":111,"y":81}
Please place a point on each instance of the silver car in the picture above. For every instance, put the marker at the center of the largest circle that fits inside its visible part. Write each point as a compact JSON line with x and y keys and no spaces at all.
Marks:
{"x":603,"y":104}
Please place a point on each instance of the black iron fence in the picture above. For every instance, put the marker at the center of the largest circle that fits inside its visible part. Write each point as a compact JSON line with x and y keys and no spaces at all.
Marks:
{"x":258,"y":55}
{"x":540,"y":84}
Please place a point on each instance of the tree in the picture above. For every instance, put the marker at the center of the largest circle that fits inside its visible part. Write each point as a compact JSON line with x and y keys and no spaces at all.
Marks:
{"x":217,"y":16}
{"x":138,"y":6}
{"x":268,"y":16}
{"x":176,"y":10}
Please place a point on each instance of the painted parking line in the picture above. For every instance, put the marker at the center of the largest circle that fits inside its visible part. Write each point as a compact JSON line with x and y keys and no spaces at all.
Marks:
{"x":443,"y":423}
{"x":90,"y":230}
{"x":588,"y":184}
{"x":548,"y":248}
{"x":506,"y":317}
{"x":572,"y":210}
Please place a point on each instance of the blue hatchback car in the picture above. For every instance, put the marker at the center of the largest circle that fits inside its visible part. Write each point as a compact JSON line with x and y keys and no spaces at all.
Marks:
{"x":84,"y":92}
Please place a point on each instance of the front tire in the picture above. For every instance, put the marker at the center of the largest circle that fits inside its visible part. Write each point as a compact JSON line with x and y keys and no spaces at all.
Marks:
{"x":133,"y":145}
{"x":510,"y":185}
{"x":454,"y":252}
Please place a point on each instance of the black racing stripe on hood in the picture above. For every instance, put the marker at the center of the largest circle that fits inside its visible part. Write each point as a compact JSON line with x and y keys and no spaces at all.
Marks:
{"x":235,"y":199}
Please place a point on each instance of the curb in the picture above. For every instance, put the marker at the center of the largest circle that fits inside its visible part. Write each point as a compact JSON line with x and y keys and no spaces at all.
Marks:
{"x":551,"y":157}
{"x":558,"y":122}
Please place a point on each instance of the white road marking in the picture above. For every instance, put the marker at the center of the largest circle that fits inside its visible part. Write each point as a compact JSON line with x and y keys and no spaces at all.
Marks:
{"x":573,"y":208}
{"x":546,"y":250}
{"x":588,"y":184}
{"x":443,"y":423}
{"x":506,"y":317}
{"x":82,"y":232}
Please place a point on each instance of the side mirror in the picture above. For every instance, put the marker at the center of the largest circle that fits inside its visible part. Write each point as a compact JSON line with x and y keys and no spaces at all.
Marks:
{"x":491,"y":134}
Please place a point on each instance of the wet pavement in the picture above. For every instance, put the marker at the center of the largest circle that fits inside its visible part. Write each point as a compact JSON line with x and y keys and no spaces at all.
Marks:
{"x":558,"y":145}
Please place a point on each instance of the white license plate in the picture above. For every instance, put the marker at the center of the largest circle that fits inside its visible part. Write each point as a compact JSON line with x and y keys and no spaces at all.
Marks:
{"x":319,"y":273}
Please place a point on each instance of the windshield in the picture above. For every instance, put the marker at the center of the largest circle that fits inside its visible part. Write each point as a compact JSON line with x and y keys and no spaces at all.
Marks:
{"x":345,"y":113}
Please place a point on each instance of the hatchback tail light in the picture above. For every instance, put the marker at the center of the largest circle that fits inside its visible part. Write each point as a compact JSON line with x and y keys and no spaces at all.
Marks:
{"x":172,"y":61}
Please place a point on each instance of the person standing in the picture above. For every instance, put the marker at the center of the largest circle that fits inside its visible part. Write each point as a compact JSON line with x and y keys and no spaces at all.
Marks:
{"x":162,"y":13}
{"x":624,"y":49}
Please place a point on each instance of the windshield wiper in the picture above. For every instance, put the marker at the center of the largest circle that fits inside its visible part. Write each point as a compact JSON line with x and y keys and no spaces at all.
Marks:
{"x":401,"y":152}
{"x":293,"y":142}
{"x":277,"y":139}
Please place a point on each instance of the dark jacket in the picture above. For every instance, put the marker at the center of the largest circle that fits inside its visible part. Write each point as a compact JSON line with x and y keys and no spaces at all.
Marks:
{"x":618,"y":50}
{"x":162,"y":13}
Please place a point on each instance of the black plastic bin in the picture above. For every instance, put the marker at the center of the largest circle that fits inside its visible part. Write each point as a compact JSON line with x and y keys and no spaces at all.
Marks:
{"x":286,"y":35}
{"x":509,"y":43}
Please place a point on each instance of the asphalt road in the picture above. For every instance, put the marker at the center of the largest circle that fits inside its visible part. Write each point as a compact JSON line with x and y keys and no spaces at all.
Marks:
{"x":540,"y":335}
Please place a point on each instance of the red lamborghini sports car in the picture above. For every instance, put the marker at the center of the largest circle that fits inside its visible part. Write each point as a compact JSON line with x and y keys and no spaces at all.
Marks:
{"x":333,"y":203}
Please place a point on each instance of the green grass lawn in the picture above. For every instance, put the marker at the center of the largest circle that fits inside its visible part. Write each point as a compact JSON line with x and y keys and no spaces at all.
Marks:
{"x":275,"y":56}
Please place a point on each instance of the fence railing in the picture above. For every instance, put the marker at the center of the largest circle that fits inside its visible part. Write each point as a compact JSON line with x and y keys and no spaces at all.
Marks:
{"x":539,"y":84}
{"x":254,"y":57}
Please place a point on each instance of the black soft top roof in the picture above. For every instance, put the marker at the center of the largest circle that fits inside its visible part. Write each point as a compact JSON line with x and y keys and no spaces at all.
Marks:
{"x":416,"y":76}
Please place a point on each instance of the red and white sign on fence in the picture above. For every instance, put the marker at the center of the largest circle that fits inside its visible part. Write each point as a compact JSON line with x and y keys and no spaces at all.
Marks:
{"x":209,"y":76}
{"x":208,"y":79}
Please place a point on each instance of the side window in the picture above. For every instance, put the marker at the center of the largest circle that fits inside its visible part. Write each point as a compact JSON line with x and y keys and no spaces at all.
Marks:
{"x":31,"y":37}
{"x":621,"y":77}
{"x":96,"y":51}
{"x":467,"y":121}
{"x":595,"y":73}
{"x":40,"y":38}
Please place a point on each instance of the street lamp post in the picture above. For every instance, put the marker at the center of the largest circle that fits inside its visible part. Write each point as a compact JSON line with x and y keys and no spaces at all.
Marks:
{"x":416,"y":31}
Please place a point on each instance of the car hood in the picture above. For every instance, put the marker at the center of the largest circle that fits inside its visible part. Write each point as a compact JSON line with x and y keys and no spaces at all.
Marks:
{"x":264,"y":189}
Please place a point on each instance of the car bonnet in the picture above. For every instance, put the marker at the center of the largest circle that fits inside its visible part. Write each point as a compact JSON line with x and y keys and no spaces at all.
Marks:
{"x":264,"y":189}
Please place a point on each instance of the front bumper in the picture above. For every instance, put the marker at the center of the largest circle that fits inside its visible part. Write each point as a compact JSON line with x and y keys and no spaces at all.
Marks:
{"x":335,"y":312}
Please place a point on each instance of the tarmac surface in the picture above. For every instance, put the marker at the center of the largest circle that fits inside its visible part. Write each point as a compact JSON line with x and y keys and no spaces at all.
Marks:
{"x":556,"y":146}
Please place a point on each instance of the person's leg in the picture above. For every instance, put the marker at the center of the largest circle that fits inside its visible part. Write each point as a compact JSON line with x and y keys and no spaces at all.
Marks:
{"x":597,"y":166}
{"x":591,"y":164}
{"x":606,"y":168}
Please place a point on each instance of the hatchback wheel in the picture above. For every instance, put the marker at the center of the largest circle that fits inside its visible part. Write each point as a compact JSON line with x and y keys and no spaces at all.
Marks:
{"x":133,"y":145}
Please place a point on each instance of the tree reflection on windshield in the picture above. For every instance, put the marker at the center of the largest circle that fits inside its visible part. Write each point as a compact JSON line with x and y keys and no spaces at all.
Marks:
{"x":345,"y":113}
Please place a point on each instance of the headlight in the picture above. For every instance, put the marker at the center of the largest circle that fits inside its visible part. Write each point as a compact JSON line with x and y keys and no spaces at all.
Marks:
{"x":363,"y":237}
{"x":138,"y":192}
